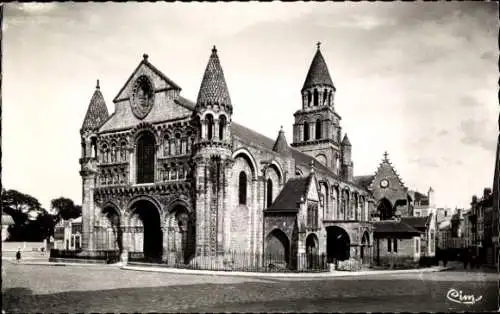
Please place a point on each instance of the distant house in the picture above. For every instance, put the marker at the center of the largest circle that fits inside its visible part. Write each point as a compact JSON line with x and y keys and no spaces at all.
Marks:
{"x":68,"y":234}
{"x":7,"y":221}
{"x":427,"y":228}
{"x":395,"y":241}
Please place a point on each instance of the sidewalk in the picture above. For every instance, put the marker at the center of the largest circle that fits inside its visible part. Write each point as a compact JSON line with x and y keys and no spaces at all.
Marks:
{"x":459,"y":266}
{"x":238,"y":273}
{"x":282,"y":275}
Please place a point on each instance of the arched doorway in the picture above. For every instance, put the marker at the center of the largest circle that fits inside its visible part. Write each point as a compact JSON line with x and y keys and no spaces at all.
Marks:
{"x":147,"y":214}
{"x":364,"y":253}
{"x":181,"y":234}
{"x":338,"y":244}
{"x":277,"y":249}
{"x":112,"y":238}
{"x":312,"y":251}
{"x":145,"y":157}
{"x":385,"y":209}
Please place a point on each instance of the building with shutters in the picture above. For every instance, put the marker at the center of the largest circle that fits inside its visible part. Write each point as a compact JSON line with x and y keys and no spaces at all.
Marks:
{"x":175,"y":180}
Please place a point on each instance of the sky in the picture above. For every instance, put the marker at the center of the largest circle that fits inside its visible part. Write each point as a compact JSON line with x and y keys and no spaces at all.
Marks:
{"x":418,"y":80}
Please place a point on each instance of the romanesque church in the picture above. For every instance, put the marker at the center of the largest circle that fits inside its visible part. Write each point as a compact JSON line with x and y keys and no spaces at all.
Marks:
{"x":172,"y":180}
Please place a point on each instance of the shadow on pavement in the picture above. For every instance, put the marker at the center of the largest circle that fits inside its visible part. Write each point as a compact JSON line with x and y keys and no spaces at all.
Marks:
{"x":310,"y":296}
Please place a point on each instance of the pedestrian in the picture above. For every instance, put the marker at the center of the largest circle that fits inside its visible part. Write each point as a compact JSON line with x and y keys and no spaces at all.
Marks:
{"x":18,"y":255}
{"x":445,"y":259}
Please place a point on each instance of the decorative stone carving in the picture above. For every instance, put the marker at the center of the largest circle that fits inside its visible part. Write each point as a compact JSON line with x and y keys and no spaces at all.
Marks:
{"x":142,"y":97}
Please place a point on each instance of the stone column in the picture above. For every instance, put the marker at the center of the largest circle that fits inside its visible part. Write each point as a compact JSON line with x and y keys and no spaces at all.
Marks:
{"x":131,"y":164}
{"x":201,"y":202}
{"x":88,"y":209}
{"x":258,"y":219}
{"x":164,"y":256}
{"x":221,"y":196}
{"x":216,"y":130}
{"x":125,"y":244}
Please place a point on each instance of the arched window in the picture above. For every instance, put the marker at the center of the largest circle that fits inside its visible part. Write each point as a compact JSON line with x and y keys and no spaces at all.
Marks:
{"x":269,"y":192}
{"x":308,"y":98}
{"x":329,"y":98}
{"x":242,"y":188}
{"x":178,"y":145}
{"x":166,"y":146}
{"x":318,"y":129}
{"x":145,"y":158}
{"x":93,"y":147}
{"x":188,"y":142}
{"x":315,"y":97}
{"x":306,"y":131}
{"x":113,"y":152}
{"x":325,"y":96}
{"x":123,"y":151}
{"x":210,"y":126}
{"x":172,"y":147}
{"x":222,"y":127}
{"x":104,"y":153}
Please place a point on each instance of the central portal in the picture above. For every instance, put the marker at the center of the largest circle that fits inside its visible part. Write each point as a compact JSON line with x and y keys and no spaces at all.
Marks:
{"x":148,"y":214}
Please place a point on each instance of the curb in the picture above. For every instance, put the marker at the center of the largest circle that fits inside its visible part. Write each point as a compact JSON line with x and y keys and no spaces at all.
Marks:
{"x":278,"y":275}
{"x":65,"y":264}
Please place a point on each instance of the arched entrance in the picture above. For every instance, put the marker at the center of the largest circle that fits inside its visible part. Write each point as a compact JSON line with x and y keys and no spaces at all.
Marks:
{"x":277,"y":249}
{"x":112,"y":238}
{"x":337,"y":244}
{"x":145,"y":213}
{"x":364,"y":252}
{"x":181,"y":234}
{"x":312,"y":251}
{"x":385,"y":209}
{"x":145,"y":157}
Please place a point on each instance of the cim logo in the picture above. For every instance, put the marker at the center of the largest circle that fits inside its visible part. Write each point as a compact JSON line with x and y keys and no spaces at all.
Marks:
{"x":459,"y":297}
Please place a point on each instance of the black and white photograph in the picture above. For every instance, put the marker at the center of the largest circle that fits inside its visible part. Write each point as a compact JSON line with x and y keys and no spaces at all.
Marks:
{"x":203,"y":157}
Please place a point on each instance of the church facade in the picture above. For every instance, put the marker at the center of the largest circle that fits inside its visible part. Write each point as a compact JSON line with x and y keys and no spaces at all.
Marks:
{"x":169,"y":179}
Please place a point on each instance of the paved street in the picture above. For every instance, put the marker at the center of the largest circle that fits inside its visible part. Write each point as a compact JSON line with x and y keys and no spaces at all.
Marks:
{"x":32,"y":288}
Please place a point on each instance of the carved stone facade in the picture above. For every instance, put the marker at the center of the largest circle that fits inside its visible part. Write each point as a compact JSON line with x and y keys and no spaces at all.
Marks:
{"x":169,"y":179}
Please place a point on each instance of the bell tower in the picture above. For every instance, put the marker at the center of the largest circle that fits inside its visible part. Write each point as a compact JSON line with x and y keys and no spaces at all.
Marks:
{"x":212,"y":158}
{"x":316,"y":130}
{"x":97,"y":114}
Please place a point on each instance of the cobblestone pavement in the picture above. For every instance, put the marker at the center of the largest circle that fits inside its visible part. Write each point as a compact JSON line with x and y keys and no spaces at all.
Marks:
{"x":31,"y":288}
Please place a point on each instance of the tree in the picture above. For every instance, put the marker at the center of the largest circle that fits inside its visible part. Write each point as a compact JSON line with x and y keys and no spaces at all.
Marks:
{"x":66,"y":208}
{"x":19,"y":205}
{"x":31,"y":221}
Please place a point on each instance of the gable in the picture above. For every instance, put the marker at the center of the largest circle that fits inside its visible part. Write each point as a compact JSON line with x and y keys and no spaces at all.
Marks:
{"x":166,"y":103}
{"x":159,"y":80}
{"x":395,"y":189}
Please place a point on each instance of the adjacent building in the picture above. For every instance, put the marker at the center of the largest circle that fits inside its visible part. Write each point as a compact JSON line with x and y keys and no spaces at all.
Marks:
{"x":68,"y":234}
{"x":404,"y":220}
{"x":7,"y":221}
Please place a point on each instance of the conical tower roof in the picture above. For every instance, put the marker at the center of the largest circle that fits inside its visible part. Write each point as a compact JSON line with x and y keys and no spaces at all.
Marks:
{"x":213,"y":89}
{"x":345,"y":141}
{"x":97,"y":112}
{"x":280,"y":145}
{"x":318,"y":72}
